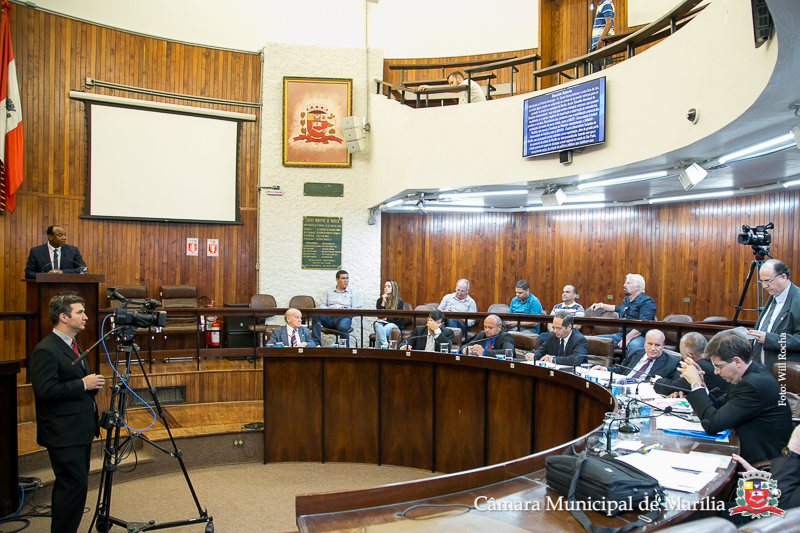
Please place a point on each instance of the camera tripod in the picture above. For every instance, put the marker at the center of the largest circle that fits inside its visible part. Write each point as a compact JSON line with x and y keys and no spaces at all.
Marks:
{"x":116,"y":447}
{"x":755,"y":266}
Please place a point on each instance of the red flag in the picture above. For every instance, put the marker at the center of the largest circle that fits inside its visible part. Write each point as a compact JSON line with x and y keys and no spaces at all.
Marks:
{"x":11,"y":127}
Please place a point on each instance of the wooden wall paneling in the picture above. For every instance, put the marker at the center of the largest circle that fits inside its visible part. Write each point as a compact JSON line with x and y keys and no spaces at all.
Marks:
{"x":682,"y":250}
{"x":351,"y":406}
{"x":551,"y":431}
{"x":460,"y":413}
{"x":407,"y":418}
{"x":56,"y":54}
{"x":509,"y":417}
{"x":293,"y":410}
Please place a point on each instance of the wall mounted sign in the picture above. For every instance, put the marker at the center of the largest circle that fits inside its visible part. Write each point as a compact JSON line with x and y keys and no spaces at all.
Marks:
{"x":322,"y":243}
{"x":192,"y":246}
{"x":212,"y":247}
{"x":313,"y":109}
{"x":334,"y":190}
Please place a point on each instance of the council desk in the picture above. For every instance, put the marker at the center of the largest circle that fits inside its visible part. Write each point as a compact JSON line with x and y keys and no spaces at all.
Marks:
{"x":488,"y":423}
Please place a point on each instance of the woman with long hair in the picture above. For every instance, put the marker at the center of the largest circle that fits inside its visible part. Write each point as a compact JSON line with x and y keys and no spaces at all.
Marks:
{"x":390,"y":299}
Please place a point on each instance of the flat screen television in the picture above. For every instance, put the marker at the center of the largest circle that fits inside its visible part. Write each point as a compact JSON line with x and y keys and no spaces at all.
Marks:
{"x":565,"y":119}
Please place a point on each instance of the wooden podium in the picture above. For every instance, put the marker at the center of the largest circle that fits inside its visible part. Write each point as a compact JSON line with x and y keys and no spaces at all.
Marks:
{"x":45,"y":286}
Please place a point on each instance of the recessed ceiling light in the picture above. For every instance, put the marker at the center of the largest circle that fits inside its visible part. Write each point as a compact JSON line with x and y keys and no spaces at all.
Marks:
{"x":624,"y":179}
{"x":767,"y":147}
{"x":565,"y":206}
{"x":691,"y":197}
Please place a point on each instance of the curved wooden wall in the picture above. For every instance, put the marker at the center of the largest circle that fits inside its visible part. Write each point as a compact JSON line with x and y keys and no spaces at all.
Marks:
{"x":55,"y":54}
{"x":682,"y":250}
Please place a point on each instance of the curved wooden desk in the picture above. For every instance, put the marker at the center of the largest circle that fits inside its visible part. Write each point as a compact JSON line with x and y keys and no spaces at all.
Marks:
{"x":441,"y":412}
{"x":490,"y":423}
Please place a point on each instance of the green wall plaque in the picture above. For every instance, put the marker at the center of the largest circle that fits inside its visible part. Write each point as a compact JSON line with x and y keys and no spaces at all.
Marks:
{"x":322,"y":243}
{"x":335,"y":190}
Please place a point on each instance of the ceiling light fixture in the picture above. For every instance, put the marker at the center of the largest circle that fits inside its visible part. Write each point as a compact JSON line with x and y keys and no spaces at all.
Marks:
{"x":627,"y":179}
{"x":767,"y":147}
{"x":570,"y":206}
{"x":507,"y":192}
{"x":393,"y":203}
{"x":421,"y":204}
{"x":692,"y":175}
{"x":454,"y":209}
{"x":791,"y":183}
{"x":691,"y":197}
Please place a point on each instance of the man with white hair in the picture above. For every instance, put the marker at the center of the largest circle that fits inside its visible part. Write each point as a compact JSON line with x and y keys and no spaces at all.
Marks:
{"x":637,"y":306}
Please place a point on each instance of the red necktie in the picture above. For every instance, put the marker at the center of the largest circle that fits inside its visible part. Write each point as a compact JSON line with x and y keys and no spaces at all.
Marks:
{"x":75,"y":348}
{"x":489,"y":344}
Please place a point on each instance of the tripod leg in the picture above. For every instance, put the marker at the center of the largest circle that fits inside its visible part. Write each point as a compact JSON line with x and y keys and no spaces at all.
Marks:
{"x":177,"y":453}
{"x":753,"y":267}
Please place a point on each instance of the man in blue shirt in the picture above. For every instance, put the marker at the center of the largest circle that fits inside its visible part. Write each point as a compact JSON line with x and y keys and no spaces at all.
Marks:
{"x":603,"y":26}
{"x":525,"y":303}
{"x":636,"y":305}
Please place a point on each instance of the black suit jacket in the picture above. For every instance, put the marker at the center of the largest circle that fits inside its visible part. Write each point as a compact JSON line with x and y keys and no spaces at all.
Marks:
{"x":502,"y":342}
{"x":786,"y":471}
{"x":39,"y":260}
{"x":65,"y":412}
{"x":419,"y":339}
{"x":713,"y":381}
{"x":282,"y":335}
{"x":665,"y":366}
{"x":788,"y":322}
{"x":752,"y":408}
{"x":575,"y":351}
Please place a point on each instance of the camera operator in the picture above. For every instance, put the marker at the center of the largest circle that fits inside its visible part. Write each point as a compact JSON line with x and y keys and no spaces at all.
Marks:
{"x":778,"y":326}
{"x":66,"y":413}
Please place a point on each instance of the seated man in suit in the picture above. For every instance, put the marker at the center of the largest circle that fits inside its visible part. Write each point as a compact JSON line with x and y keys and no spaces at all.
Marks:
{"x":566,"y":346}
{"x":430,"y":337}
{"x":492,"y":341}
{"x":294,"y":333}
{"x":692,"y":347}
{"x":55,"y":257}
{"x":753,"y":406}
{"x":66,"y":413}
{"x":648,"y":361}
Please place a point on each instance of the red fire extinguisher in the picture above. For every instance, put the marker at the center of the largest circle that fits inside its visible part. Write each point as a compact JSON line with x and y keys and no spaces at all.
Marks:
{"x":212,"y":329}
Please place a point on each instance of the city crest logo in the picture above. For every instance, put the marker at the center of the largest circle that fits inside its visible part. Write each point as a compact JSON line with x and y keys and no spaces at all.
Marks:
{"x":757,"y":495}
{"x":317,"y":125}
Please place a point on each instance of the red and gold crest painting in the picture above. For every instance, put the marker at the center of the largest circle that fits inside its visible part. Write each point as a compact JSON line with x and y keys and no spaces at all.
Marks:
{"x":313,"y":109}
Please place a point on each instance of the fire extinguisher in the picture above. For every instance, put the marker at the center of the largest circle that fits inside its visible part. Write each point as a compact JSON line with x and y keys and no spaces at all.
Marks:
{"x":212,"y":329}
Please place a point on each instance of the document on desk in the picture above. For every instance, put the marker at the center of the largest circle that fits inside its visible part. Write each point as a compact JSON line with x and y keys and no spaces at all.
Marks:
{"x":724,"y":460}
{"x":673,"y":422}
{"x":683,"y":480}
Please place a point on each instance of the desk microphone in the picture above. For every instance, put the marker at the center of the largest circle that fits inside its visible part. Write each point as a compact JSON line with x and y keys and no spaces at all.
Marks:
{"x":80,"y":266}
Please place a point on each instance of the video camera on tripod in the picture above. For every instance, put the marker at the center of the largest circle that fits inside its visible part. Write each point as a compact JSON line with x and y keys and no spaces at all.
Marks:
{"x":759,"y":239}
{"x":129,"y":320}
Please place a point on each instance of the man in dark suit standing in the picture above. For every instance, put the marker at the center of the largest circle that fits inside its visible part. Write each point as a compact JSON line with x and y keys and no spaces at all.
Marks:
{"x":492,"y":341}
{"x":566,"y":346}
{"x":294,"y":333}
{"x":430,"y":337}
{"x":753,"y":406}
{"x":777,"y":330}
{"x":66,"y":414}
{"x":55,"y":257}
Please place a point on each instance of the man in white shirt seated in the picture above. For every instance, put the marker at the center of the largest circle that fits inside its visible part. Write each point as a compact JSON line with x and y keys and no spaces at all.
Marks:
{"x":294,"y":333}
{"x":455,"y":78}
{"x":340,"y":297}
{"x":649,"y":361}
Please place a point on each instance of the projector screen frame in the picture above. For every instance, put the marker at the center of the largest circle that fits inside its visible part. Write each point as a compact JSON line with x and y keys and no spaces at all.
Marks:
{"x":144,"y":105}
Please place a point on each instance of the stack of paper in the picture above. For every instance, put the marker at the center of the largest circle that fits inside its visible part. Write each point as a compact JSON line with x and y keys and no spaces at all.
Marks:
{"x":676,"y":471}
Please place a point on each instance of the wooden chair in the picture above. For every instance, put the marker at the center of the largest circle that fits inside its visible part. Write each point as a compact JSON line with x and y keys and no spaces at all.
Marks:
{"x":672,"y":336}
{"x":525,"y":342}
{"x":503,"y":308}
{"x":262,"y":300}
{"x":179,"y":296}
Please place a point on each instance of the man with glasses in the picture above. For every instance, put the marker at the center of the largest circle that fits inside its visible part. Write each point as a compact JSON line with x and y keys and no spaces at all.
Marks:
{"x":459,"y":302}
{"x":752,"y":407}
{"x":777,"y":333}
{"x":566,"y":346}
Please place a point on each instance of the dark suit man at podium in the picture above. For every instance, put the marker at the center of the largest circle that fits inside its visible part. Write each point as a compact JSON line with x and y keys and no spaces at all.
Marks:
{"x":66,"y":413}
{"x":55,"y":257}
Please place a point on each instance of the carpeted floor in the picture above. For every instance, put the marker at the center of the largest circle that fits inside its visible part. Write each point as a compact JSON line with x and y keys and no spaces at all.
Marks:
{"x":247,"y":498}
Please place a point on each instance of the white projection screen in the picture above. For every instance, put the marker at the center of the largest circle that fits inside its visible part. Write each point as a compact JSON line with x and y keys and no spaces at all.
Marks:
{"x":155,"y":165}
